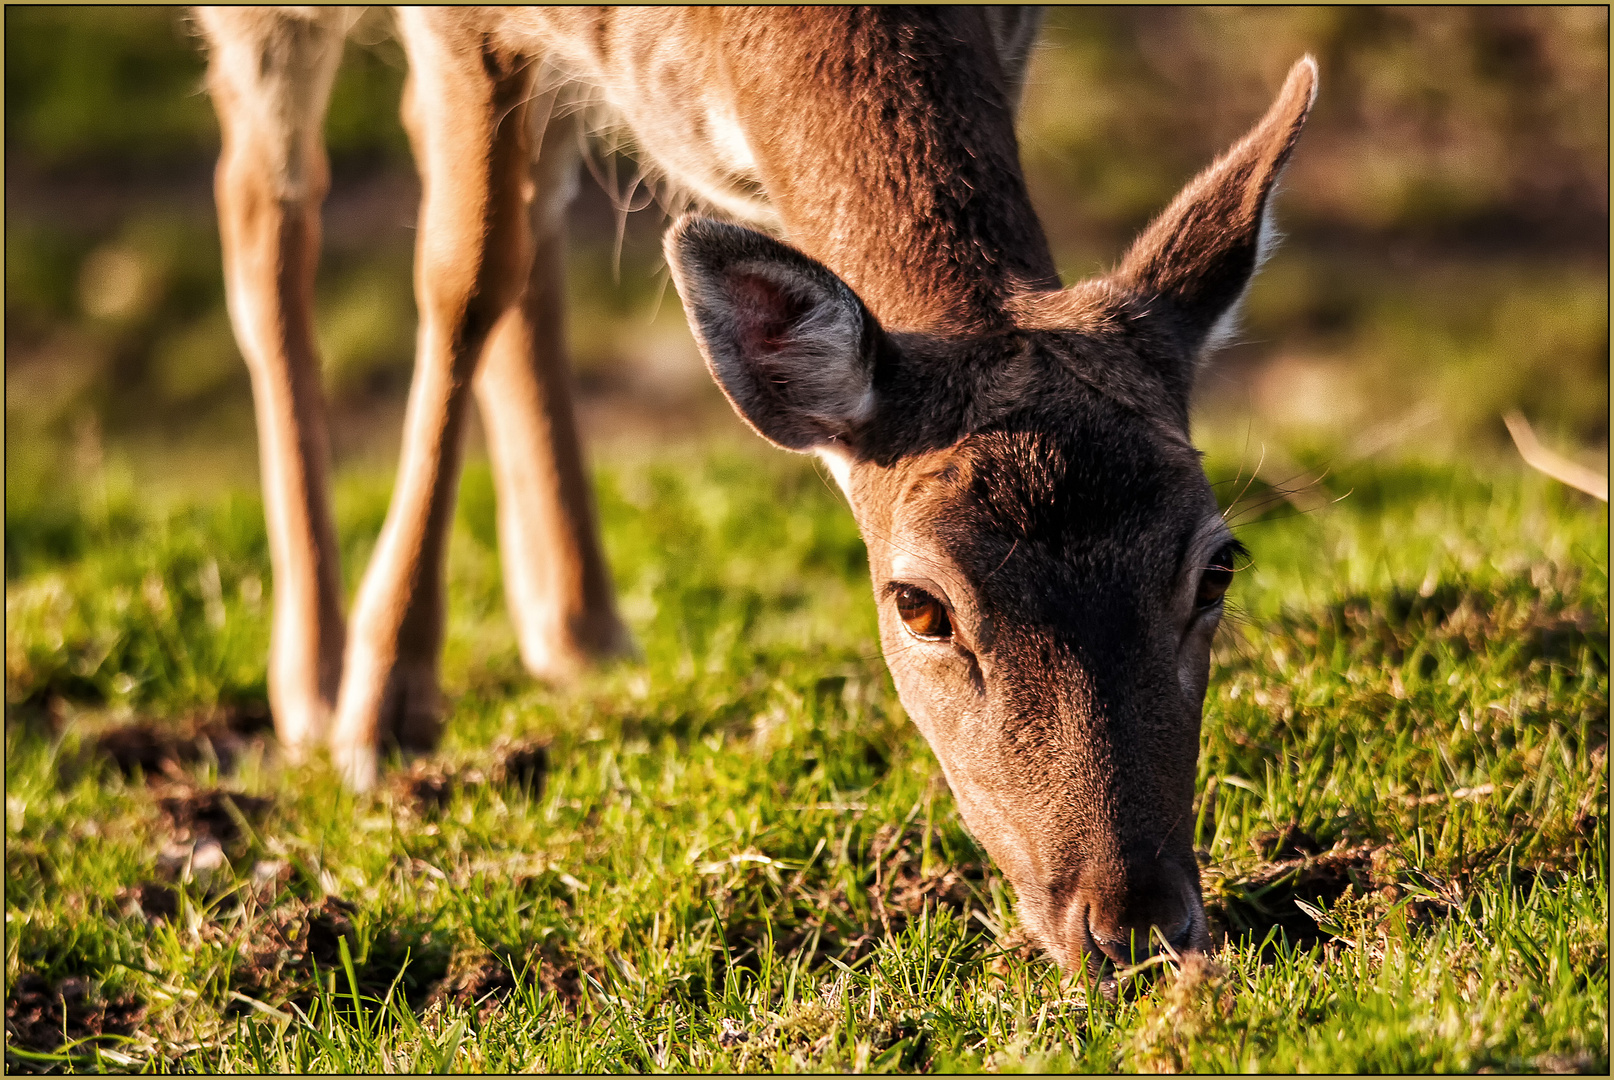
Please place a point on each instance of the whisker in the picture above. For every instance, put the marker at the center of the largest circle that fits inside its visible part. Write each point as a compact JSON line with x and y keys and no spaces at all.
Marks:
{"x":1000,"y":565}
{"x":1253,"y":474}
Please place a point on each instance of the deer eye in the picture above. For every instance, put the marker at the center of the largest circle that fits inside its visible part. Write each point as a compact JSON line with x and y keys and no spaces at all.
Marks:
{"x":1215,"y":578}
{"x":923,"y":614}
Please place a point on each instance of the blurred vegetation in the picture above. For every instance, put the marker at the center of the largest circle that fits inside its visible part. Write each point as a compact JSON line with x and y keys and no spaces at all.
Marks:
{"x":1446,"y":216}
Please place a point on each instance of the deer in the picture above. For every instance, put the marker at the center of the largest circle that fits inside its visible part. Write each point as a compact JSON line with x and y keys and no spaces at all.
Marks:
{"x":869,"y":284}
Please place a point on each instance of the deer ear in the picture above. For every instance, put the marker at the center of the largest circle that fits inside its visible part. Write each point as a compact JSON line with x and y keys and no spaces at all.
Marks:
{"x":788,"y":342}
{"x":1194,"y":262}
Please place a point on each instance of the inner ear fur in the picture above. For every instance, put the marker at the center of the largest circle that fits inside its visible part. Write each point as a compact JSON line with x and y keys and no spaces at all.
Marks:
{"x":787,"y":341}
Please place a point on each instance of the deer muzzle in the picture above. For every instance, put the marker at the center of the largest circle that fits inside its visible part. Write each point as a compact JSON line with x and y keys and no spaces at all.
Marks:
{"x":1127,"y":913}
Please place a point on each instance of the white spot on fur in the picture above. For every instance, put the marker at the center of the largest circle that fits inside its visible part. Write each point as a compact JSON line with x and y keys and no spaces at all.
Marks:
{"x":728,"y":140}
{"x":839,"y":463}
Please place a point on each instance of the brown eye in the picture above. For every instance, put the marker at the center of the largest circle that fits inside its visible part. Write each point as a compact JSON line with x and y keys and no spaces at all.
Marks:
{"x":1215,"y":578}
{"x":923,"y":614}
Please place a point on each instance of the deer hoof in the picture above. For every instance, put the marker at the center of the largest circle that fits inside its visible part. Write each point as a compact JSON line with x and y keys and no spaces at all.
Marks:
{"x":402,"y":709}
{"x":357,"y":764}
{"x":562,"y":658}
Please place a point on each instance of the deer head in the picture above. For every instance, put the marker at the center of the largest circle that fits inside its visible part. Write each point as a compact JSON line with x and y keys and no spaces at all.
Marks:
{"x":1047,"y":556}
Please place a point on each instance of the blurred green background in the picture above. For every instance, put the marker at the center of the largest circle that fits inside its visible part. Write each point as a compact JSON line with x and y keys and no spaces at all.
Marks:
{"x":1446,"y":254}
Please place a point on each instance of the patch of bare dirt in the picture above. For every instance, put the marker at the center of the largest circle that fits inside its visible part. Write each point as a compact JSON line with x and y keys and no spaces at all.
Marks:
{"x":281,"y":951}
{"x":278,"y":958}
{"x":424,"y":788}
{"x":155,"y":901}
{"x":312,"y":931}
{"x":158,"y":748}
{"x":192,"y":813}
{"x":481,"y":980}
{"x":1250,"y":903}
{"x":563,"y":973}
{"x":207,"y":826}
{"x":427,"y":787}
{"x":830,"y":923}
{"x":1288,"y":843}
{"x":910,"y":891}
{"x":904,"y":886}
{"x":522,"y":764}
{"x":43,"y":1016}
{"x":481,"y":988}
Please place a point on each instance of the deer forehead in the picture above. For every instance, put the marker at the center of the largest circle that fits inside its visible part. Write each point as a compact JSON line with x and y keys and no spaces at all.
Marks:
{"x":1096,"y":379}
{"x":1076,"y":489}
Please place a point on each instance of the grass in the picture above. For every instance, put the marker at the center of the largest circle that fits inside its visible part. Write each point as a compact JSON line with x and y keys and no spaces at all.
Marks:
{"x":742,"y":856}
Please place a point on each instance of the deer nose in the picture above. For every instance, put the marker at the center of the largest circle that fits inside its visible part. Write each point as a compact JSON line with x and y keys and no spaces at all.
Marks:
{"x":1129,"y":942}
{"x":1125,"y":921}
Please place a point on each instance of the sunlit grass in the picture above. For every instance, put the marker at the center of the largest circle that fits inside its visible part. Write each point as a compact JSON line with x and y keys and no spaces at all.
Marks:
{"x":743,"y":856}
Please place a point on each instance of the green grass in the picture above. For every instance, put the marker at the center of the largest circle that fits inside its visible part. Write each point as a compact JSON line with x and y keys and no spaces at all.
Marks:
{"x":743,"y":856}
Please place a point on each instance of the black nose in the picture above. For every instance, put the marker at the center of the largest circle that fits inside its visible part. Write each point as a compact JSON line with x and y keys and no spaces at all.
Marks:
{"x":1129,"y":944}
{"x":1125,"y":916}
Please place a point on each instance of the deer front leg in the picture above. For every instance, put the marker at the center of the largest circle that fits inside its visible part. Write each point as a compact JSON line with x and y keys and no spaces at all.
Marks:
{"x":269,"y":75}
{"x":556,"y":583}
{"x":466,"y":110}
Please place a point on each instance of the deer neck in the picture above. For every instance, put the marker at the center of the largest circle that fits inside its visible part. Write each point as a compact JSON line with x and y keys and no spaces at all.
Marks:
{"x":886,"y":144}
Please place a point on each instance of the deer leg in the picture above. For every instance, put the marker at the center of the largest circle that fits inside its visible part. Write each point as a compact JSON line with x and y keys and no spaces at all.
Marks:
{"x":270,"y":75}
{"x":466,"y":110}
{"x":556,"y":583}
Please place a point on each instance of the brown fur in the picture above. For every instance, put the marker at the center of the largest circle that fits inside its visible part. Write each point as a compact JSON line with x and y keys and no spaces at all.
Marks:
{"x":1016,"y":451}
